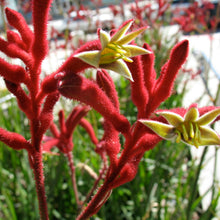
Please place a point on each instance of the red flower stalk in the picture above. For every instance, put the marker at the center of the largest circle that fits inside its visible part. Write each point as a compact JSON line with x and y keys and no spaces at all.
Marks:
{"x":31,"y":48}
{"x":164,"y":84}
{"x":63,"y":139}
{"x":64,"y":136}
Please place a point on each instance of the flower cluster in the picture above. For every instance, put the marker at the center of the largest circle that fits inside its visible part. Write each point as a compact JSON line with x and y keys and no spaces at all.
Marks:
{"x":196,"y":17}
{"x":109,"y":52}
{"x":30,"y":46}
{"x":115,"y":51}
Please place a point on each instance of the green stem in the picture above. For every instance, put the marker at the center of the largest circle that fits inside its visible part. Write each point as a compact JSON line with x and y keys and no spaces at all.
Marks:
{"x":193,"y":193}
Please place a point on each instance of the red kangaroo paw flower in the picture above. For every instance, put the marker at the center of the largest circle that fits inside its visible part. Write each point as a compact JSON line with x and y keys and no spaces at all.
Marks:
{"x":139,"y":93}
{"x":13,"y":73}
{"x":46,"y":115}
{"x":54,"y":130}
{"x":40,"y":126}
{"x":89,"y":129}
{"x":14,"y":140}
{"x":15,"y":38}
{"x":148,"y":68}
{"x":115,"y":50}
{"x":127,"y":174}
{"x":63,"y":139}
{"x":110,"y":143}
{"x":106,"y":83}
{"x":13,"y":51}
{"x":49,"y":83}
{"x":146,"y":142}
{"x":23,"y":100}
{"x":163,"y":6}
{"x":17,"y":21}
{"x":48,"y":145}
{"x":65,"y":143}
{"x":164,"y":84}
{"x":86,"y":91}
{"x":74,"y":118}
{"x":62,"y":122}
{"x":40,"y":18}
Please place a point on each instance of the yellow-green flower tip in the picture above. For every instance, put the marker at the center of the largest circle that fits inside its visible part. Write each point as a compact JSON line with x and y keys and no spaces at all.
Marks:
{"x":115,"y":51}
{"x":190,"y":129}
{"x":90,"y":57}
{"x":163,"y":130}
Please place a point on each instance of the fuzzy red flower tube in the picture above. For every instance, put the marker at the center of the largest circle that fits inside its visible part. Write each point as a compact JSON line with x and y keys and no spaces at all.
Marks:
{"x":82,"y":89}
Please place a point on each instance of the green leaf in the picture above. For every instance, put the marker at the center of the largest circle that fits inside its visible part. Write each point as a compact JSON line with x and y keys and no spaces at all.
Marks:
{"x":10,"y":205}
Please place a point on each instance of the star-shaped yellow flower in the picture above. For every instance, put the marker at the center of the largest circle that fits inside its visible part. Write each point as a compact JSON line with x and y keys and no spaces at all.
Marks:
{"x":115,"y":51}
{"x":191,"y":129}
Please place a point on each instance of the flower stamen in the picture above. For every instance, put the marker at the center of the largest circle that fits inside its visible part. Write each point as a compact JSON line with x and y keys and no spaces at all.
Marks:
{"x":184,"y":132}
{"x":114,"y":52}
{"x":191,"y":130}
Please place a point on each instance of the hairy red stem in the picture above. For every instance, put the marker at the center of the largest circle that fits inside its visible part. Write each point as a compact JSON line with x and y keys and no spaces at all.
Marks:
{"x":104,"y":191}
{"x":37,"y":166}
{"x":69,"y":156}
{"x":100,"y":177}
